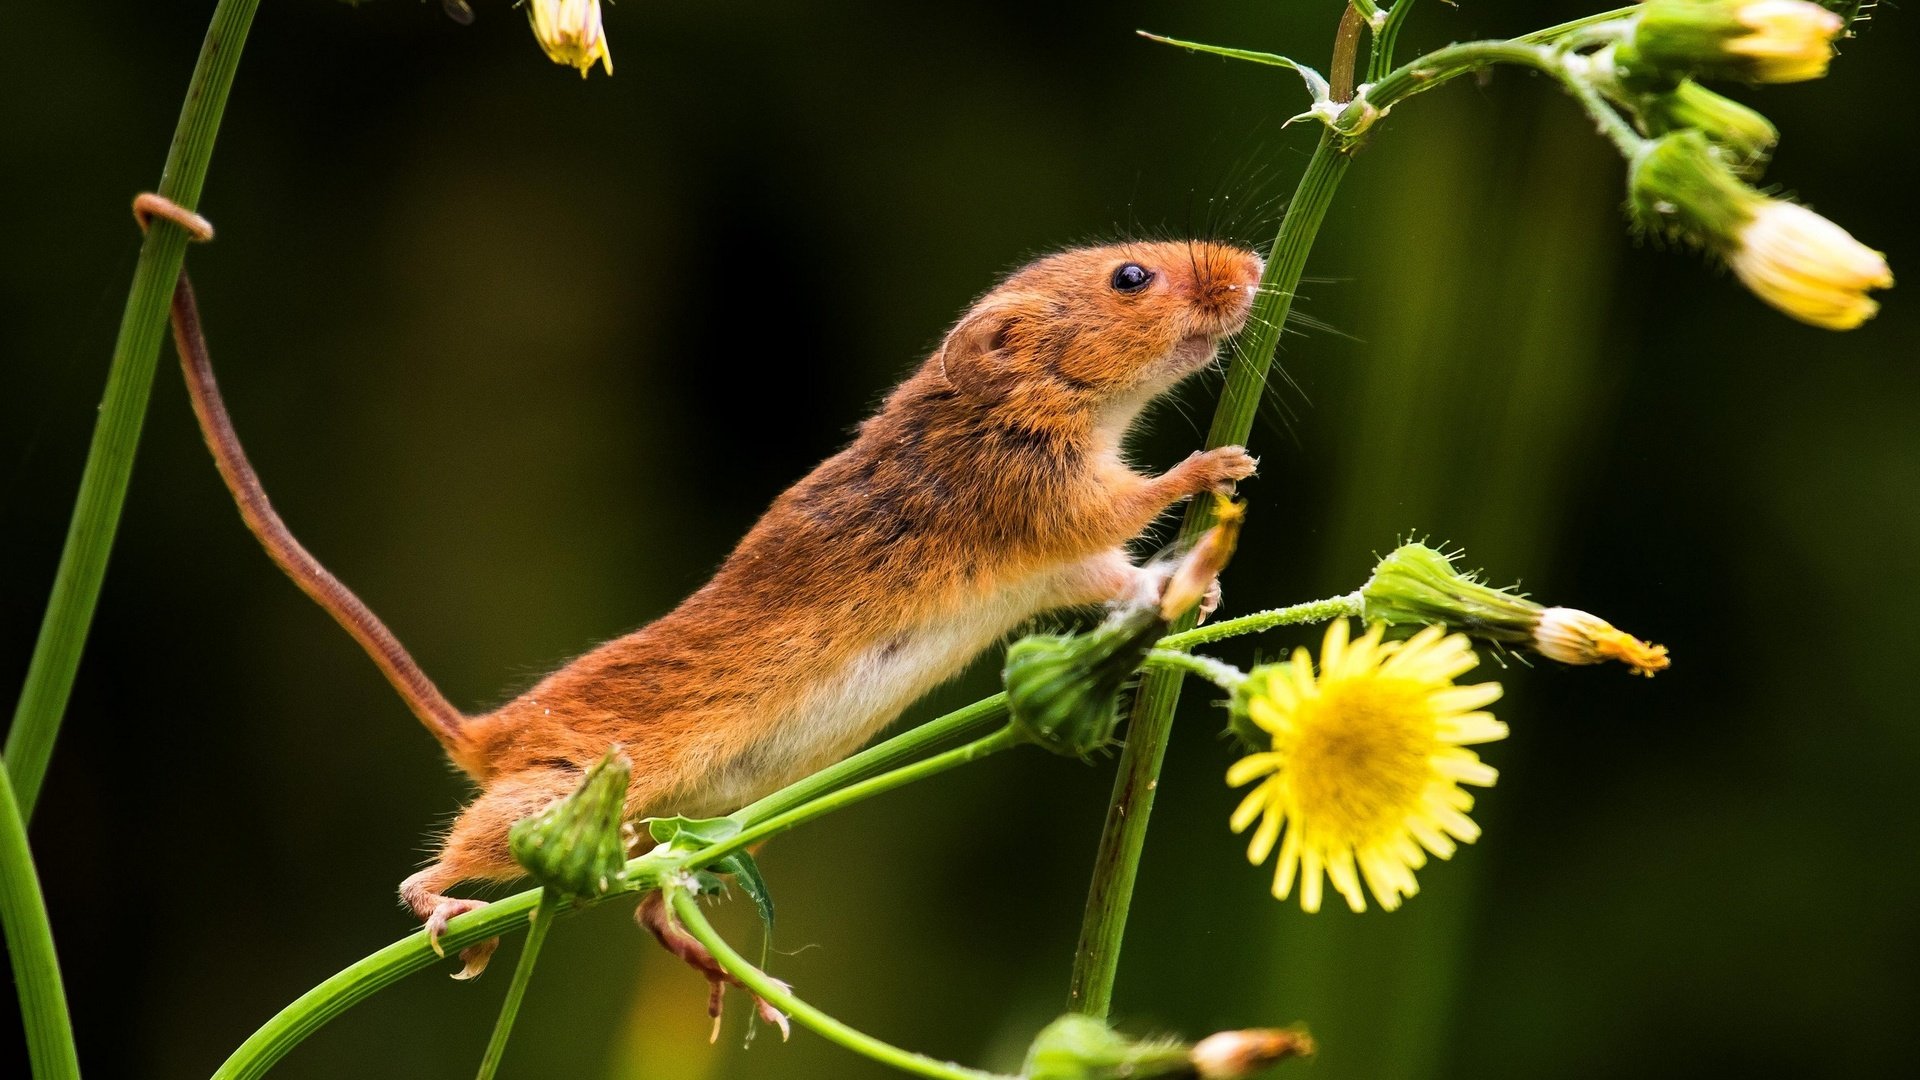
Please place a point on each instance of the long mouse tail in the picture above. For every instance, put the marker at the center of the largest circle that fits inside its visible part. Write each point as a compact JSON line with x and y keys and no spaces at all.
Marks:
{"x":425,"y":699}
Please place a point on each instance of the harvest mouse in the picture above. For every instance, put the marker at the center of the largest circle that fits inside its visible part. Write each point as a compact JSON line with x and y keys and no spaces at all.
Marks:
{"x":989,"y":488}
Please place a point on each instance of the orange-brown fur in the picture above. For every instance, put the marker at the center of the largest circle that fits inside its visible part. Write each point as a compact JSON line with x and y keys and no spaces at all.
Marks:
{"x":987,"y":489}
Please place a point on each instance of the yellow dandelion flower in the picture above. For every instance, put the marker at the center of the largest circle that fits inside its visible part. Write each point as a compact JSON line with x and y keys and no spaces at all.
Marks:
{"x":1364,"y":777}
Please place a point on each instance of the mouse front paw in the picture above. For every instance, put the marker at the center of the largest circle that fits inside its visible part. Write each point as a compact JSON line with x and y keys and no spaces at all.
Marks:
{"x":1217,"y":470}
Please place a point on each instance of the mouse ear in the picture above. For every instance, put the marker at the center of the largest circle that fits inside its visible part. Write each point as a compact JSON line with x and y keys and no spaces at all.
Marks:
{"x":972,"y":357}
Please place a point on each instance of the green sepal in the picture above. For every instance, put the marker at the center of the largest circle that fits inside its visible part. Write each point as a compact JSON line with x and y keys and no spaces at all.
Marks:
{"x":1418,"y":585}
{"x":1063,"y":690}
{"x":577,"y":847}
{"x":1077,"y":1047}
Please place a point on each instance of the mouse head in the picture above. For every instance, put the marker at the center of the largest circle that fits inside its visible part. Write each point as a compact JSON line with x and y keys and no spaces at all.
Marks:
{"x":1098,"y":327}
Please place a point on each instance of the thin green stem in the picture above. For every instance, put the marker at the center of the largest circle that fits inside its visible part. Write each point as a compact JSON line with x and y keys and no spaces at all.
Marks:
{"x":1296,"y":615}
{"x":317,"y":1007}
{"x":116,"y":434}
{"x":36,"y":967}
{"x":828,"y":802}
{"x":1385,"y":36}
{"x":687,"y":909}
{"x":1572,"y":27}
{"x":965,"y":722}
{"x":1118,"y":862}
{"x":1218,"y":672}
{"x":538,"y":924}
{"x":1437,"y":67}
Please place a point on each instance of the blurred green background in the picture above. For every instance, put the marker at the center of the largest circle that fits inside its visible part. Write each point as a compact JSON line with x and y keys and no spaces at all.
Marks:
{"x":520,"y":357}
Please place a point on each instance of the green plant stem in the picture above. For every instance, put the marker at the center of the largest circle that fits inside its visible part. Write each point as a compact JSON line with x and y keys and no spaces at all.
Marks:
{"x":687,"y":909}
{"x":828,"y":802}
{"x":966,"y":722}
{"x":1385,"y":36}
{"x":1118,"y":862}
{"x":1299,"y":614}
{"x":116,"y":434}
{"x":1218,"y":672}
{"x":36,"y":968}
{"x":1437,"y":67}
{"x":317,"y":1007}
{"x":538,"y":924}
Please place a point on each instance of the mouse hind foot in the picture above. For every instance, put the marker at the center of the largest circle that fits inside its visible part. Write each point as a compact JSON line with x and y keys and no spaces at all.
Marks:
{"x":658,"y":921}
{"x":422,"y":894}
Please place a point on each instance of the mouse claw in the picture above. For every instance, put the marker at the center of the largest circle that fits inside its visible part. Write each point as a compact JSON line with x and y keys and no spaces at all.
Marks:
{"x":474,"y":959}
{"x":147,"y":206}
{"x":771,"y":1015}
{"x":1209,"y":602}
{"x":444,"y":912}
{"x":652,"y":914}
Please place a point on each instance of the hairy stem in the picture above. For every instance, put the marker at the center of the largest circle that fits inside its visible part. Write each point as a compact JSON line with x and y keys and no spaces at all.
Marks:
{"x":1118,"y":862}
{"x":687,"y":909}
{"x":1218,"y":672}
{"x":116,"y":434}
{"x":1296,"y":615}
{"x":1441,"y":65}
{"x":538,"y":924}
{"x":36,"y":968}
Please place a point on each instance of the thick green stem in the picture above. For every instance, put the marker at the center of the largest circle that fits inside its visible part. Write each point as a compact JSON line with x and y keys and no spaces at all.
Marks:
{"x":36,"y":968}
{"x":116,"y":434}
{"x":687,"y":909}
{"x":538,"y":924}
{"x":1118,"y":862}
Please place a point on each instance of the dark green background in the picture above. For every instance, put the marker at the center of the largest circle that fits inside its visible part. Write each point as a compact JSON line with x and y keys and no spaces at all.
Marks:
{"x":521,"y":356}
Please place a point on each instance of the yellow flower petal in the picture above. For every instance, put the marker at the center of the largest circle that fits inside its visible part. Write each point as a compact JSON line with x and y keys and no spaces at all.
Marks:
{"x":1364,"y":776}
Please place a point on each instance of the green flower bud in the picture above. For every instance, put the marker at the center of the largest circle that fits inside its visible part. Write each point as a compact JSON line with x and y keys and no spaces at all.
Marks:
{"x":577,"y":847}
{"x":1746,"y":137}
{"x":1760,"y":41}
{"x":1785,"y":254}
{"x":1680,"y":187}
{"x":1077,"y":1047}
{"x":1063,"y":689}
{"x":1419,"y":585}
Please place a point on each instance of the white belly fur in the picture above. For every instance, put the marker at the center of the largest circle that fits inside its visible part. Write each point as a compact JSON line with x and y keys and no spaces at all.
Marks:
{"x":876,"y":686}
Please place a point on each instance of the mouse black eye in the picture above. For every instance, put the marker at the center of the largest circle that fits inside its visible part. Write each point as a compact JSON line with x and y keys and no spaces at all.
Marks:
{"x":1131,"y":277}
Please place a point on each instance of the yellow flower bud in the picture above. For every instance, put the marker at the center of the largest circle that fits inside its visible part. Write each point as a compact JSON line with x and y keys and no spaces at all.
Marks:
{"x":1789,"y":40}
{"x":1230,"y":1055}
{"x":1576,"y":637}
{"x":570,"y":32}
{"x":1763,"y":41}
{"x":1807,"y":266}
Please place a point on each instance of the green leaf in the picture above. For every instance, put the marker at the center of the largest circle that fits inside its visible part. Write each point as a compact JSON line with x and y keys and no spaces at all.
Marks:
{"x":747,"y":872}
{"x":686,"y":832}
{"x":1316,"y":83}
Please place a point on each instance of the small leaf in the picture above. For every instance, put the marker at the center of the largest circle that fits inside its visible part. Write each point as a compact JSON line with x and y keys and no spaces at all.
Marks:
{"x":1316,"y":83}
{"x":685,"y":832}
{"x":747,"y":873}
